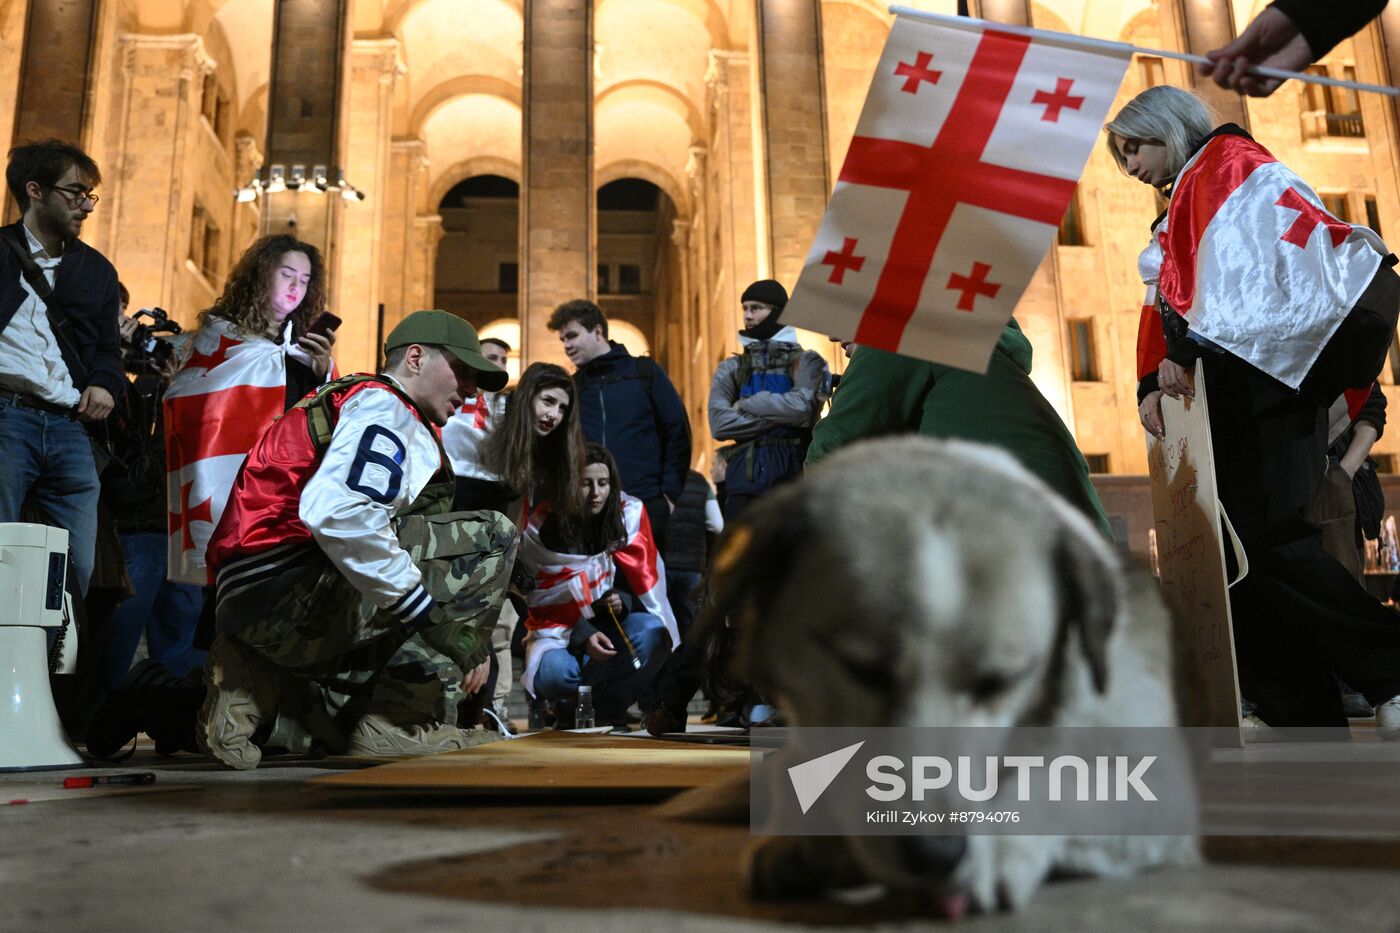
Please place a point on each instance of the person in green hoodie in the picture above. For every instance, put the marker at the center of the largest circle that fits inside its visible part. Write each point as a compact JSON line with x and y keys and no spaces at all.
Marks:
{"x":885,"y":393}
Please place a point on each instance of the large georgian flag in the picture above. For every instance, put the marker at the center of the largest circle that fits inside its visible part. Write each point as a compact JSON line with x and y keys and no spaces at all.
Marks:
{"x":964,"y":160}
{"x":218,"y":405}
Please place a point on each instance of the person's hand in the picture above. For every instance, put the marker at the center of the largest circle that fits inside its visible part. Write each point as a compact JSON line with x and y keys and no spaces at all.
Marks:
{"x":170,"y":367}
{"x":1175,"y":381}
{"x":126,"y":327}
{"x":477,"y":678}
{"x":599,"y":647}
{"x":614,"y":601}
{"x":1150,"y":414}
{"x":95,"y":404}
{"x":1272,"y":41}
{"x":318,"y":347}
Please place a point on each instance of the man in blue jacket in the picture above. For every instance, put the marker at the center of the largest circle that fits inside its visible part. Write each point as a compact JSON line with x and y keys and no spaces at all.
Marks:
{"x":60,"y":355}
{"x":628,"y":405}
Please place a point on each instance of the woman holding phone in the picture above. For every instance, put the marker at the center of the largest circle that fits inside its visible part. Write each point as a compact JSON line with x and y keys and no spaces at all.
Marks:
{"x":264,"y":344}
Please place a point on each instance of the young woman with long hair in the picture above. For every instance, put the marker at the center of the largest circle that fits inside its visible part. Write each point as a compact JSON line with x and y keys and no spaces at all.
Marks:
{"x":598,"y":614}
{"x":253,"y":356}
{"x":537,"y":447}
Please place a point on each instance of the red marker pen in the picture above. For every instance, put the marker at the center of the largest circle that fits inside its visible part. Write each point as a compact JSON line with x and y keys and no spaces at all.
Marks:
{"x":138,"y":777}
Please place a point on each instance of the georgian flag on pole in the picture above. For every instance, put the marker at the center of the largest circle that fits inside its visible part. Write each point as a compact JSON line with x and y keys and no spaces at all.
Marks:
{"x":218,"y":405}
{"x":964,"y":160}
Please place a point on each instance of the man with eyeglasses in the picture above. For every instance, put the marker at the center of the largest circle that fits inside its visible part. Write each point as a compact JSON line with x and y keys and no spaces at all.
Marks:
{"x":60,"y":354}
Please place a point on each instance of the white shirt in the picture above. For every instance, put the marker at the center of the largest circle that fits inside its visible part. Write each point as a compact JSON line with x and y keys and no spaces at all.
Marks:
{"x":380,"y":457}
{"x":30,"y":360}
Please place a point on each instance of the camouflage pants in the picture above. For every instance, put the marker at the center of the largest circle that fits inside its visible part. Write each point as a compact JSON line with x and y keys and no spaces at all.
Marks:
{"x":350,"y":657}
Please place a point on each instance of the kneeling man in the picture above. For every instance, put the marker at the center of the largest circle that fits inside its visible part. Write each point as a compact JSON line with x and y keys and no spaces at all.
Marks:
{"x":350,"y":600}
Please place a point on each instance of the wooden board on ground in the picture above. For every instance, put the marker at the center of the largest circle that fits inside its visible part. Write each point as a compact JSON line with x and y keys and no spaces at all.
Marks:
{"x":554,"y":762}
{"x":1191,"y":550}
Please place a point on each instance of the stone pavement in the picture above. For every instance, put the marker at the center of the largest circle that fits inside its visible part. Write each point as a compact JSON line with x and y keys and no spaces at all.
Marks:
{"x":262,"y":851}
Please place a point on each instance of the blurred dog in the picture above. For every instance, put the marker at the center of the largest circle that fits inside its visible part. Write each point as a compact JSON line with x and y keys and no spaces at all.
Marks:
{"x":913,"y":582}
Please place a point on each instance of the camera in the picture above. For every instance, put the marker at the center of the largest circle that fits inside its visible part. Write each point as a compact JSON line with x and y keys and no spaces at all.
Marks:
{"x":144,"y":352}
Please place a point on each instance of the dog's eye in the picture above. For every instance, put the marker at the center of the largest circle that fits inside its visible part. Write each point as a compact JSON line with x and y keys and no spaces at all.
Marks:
{"x":867,"y":670}
{"x":988,"y":686}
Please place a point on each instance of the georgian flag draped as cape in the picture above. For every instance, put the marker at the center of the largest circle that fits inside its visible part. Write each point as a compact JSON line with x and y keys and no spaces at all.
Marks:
{"x":1253,"y":261}
{"x":567,"y":585}
{"x":227,"y":393}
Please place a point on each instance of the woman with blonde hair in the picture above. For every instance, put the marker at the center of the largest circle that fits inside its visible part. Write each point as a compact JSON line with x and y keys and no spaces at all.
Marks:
{"x":1286,"y":307}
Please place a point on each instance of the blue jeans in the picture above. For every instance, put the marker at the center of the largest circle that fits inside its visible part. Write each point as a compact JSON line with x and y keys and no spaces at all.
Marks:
{"x":615,"y":682}
{"x":50,"y":456}
{"x":167,"y":612}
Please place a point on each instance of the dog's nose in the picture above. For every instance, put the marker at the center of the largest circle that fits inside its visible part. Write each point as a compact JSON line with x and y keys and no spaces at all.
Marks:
{"x":934,"y":856}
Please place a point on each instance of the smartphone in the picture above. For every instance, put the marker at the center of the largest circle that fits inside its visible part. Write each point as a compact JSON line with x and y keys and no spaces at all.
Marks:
{"x":326,"y":323}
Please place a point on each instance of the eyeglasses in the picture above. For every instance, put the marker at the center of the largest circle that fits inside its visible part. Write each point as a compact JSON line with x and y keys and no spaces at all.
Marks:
{"x":76,"y":196}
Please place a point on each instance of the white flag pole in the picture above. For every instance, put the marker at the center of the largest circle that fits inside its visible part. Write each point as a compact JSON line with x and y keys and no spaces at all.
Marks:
{"x":1123,"y":48}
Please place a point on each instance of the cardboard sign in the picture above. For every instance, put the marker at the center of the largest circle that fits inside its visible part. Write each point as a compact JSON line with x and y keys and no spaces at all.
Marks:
{"x":1191,"y":551}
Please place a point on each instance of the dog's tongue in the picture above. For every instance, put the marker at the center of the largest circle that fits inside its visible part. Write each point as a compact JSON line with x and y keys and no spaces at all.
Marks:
{"x":949,"y":906}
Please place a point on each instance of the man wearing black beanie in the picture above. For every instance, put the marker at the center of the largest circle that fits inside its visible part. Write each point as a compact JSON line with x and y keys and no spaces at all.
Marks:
{"x":765,"y":399}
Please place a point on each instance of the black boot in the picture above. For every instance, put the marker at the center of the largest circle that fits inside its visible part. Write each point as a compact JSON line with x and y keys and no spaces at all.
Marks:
{"x":151,"y":700}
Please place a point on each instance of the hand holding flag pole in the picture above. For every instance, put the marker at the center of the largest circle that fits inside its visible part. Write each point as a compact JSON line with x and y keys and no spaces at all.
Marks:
{"x":1107,"y":45}
{"x":627,"y":642}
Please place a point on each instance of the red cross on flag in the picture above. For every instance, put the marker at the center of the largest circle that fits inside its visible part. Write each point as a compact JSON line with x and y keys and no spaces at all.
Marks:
{"x":230,"y":390}
{"x":964,"y":160}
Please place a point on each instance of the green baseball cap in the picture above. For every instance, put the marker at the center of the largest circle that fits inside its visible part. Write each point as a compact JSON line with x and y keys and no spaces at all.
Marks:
{"x":456,"y":336}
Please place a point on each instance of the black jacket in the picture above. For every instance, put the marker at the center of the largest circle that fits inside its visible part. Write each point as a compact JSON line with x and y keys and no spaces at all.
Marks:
{"x":627,"y":404}
{"x":85,"y":285}
{"x":1324,"y":23}
{"x":684,"y":547}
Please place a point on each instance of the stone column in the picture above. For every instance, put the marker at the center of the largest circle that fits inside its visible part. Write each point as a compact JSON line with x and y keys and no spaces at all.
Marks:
{"x":305,"y":129}
{"x":689,"y":235}
{"x":374,"y":65}
{"x":149,"y":218}
{"x":1199,"y":26}
{"x":12,"y":15}
{"x":735,"y":228}
{"x":407,"y":168}
{"x":247,"y":215}
{"x":427,"y":233}
{"x":54,"y":95}
{"x":558,"y":221}
{"x":793,"y":101}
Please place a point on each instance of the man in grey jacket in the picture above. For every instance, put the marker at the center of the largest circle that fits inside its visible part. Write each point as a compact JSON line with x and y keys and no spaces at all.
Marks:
{"x":766,"y":399}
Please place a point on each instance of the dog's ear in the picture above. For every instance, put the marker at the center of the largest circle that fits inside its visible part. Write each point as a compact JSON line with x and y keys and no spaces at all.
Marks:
{"x":1090,"y":595}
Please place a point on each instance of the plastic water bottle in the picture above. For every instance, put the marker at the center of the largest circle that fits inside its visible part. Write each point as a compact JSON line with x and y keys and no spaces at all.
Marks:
{"x":583,"y":719}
